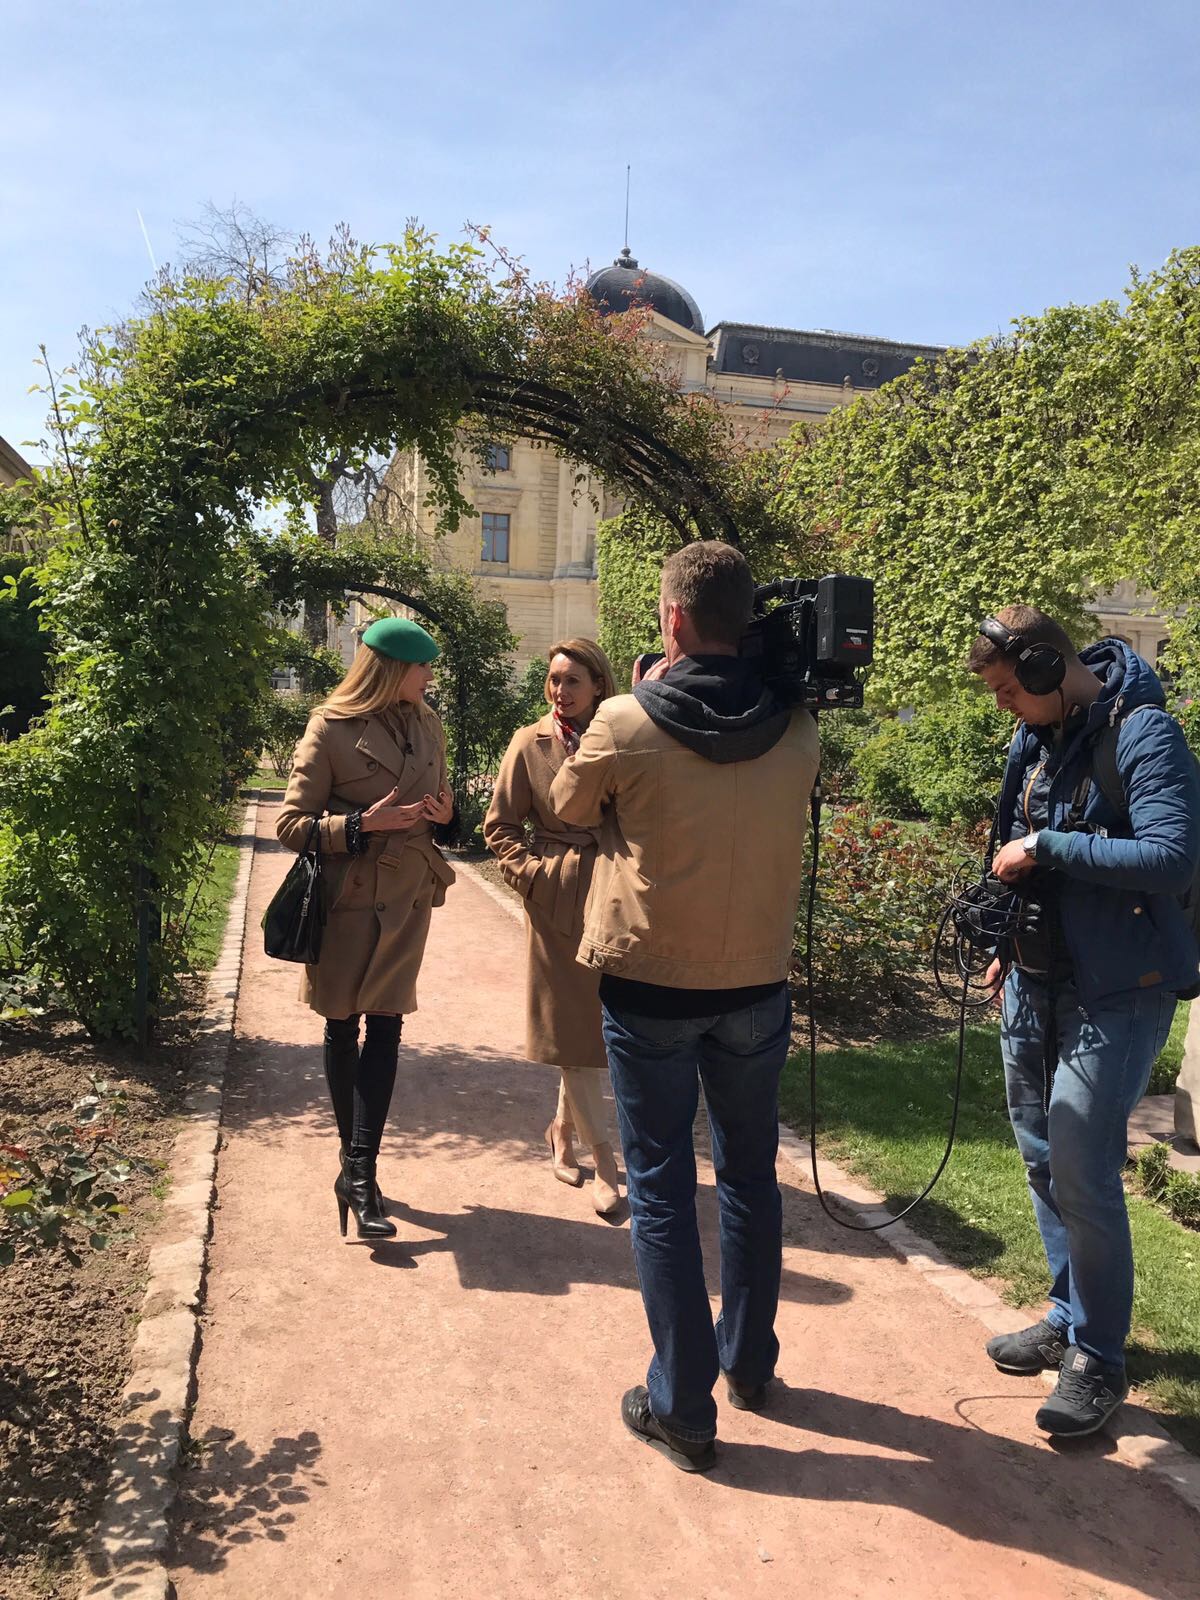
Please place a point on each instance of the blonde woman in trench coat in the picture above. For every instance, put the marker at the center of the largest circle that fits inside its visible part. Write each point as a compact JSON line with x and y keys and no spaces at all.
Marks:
{"x":372,"y":767}
{"x":552,"y":871}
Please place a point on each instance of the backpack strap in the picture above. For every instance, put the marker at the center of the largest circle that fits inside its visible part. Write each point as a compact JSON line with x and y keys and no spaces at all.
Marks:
{"x":1105,"y":770}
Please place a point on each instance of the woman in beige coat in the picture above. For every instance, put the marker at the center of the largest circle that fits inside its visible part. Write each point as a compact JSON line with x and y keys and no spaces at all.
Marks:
{"x":552,"y":871}
{"x":372,"y":768}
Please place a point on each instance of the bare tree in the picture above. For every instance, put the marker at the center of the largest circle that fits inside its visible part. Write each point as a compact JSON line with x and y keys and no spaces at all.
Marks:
{"x":256,"y":258}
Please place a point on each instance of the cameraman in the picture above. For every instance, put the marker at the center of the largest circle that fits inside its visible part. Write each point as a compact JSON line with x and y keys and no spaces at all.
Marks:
{"x":699,"y":781}
{"x":1099,"y":828}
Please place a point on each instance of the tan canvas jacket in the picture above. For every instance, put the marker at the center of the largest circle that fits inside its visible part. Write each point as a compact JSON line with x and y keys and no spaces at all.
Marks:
{"x":701,"y":865}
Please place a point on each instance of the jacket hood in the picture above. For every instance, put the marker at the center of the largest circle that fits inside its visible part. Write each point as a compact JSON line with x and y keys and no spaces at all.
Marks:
{"x":1127,"y":680}
{"x":751,"y":721}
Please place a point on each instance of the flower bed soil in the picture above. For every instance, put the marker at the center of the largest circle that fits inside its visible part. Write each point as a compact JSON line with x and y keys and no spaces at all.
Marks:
{"x":66,"y":1332}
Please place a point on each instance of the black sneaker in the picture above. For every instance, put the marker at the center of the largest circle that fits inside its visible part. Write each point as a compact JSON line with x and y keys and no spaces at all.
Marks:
{"x":1038,"y":1349}
{"x":686,"y":1454}
{"x":1085,"y":1397}
{"x":746,"y":1396}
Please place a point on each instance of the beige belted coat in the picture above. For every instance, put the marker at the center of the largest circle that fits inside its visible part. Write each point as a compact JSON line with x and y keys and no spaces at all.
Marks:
{"x":378,"y":903}
{"x":553,"y":872}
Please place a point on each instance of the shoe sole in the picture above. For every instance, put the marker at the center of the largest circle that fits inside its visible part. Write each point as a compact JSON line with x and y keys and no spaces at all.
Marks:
{"x":1026,"y":1372}
{"x":684,"y":1463}
{"x":1083,"y":1433}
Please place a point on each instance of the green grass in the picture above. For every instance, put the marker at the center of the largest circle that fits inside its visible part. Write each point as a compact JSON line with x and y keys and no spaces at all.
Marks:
{"x":1166,"y":1068}
{"x":266,"y":778}
{"x":207,"y":925}
{"x":884,"y":1114}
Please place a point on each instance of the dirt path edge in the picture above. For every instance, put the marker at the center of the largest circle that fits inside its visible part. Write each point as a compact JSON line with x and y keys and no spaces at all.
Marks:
{"x":126,"y":1555}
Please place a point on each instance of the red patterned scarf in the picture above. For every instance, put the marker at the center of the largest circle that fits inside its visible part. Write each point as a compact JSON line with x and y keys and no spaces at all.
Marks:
{"x":565,"y":732}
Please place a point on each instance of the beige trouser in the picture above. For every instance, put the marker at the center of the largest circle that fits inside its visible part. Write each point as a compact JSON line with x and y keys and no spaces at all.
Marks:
{"x":581,"y":1104}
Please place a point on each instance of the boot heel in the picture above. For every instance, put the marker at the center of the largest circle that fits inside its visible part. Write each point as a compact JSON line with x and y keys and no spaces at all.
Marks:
{"x":357,"y":1192}
{"x":343,"y":1214}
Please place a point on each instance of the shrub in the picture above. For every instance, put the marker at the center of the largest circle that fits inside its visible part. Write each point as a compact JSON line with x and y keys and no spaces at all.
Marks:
{"x":1177,"y":1192}
{"x":283,"y":717}
{"x":23,"y":647}
{"x":842,"y":736}
{"x":881,"y":770}
{"x":1152,"y":1168}
{"x":1182,"y":1198}
{"x":957,"y":750}
{"x":1188,"y":713}
{"x":879,"y":895}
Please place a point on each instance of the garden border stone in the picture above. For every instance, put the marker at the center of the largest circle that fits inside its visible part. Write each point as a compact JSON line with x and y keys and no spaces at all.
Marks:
{"x":127,"y":1553}
{"x":1140,"y":1439}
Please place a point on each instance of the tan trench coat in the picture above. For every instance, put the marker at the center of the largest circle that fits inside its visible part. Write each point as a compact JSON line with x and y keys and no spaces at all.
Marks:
{"x":553,"y":874}
{"x":379,"y":903}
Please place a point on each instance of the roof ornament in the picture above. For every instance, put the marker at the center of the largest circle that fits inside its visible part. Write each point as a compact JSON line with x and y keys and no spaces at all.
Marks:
{"x":626,"y":258}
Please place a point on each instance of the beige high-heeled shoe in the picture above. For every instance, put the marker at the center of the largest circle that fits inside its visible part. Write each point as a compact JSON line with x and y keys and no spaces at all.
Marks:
{"x":606,"y":1197}
{"x":567,"y":1172}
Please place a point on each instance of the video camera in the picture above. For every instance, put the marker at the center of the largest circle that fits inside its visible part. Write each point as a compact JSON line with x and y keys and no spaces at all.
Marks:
{"x":811,"y":644}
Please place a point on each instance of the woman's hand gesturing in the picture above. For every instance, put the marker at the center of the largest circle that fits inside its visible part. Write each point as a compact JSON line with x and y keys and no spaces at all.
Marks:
{"x":385,"y":816}
{"x":441,"y":809}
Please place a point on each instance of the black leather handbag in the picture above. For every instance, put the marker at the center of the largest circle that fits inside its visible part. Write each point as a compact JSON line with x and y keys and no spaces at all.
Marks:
{"x":294,"y":923}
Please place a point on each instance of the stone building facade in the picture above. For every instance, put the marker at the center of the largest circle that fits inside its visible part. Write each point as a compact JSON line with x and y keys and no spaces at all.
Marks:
{"x":532,"y":542}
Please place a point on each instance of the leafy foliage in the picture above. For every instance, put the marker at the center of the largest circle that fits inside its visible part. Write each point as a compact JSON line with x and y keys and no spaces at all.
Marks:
{"x":59,"y":1190}
{"x":842,"y":737}
{"x":23,"y":647}
{"x":1032,"y":467}
{"x":879,"y":894}
{"x":944,"y":765}
{"x":1177,"y":1192}
{"x":161,"y":589}
{"x":882,"y":768}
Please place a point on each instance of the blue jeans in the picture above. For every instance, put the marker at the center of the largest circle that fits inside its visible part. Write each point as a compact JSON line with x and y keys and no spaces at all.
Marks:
{"x":657,"y":1066}
{"x":1075,"y":1151}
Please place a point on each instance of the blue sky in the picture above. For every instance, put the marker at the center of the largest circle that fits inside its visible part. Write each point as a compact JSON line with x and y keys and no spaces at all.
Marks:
{"x":923,"y":171}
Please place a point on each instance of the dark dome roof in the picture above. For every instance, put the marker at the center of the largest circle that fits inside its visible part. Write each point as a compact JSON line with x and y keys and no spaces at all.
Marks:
{"x":625,"y":284}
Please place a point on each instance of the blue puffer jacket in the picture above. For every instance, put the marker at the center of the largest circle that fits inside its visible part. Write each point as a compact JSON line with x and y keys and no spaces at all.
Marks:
{"x":1120,"y":914}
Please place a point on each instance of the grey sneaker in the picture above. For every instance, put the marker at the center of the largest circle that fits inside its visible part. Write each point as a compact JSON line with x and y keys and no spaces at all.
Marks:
{"x":1040,"y":1348}
{"x":686,"y":1454}
{"x":1085,"y":1397}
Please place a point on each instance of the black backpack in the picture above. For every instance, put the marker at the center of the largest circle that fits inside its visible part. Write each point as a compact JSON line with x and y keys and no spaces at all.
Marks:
{"x":1105,"y":772}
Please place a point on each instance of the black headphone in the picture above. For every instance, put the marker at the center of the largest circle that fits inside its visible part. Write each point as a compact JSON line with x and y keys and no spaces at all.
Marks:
{"x":1038,"y":668}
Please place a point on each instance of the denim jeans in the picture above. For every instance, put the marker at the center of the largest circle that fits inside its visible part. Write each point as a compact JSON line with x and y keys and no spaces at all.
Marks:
{"x":1075,"y":1151}
{"x":657,"y":1065}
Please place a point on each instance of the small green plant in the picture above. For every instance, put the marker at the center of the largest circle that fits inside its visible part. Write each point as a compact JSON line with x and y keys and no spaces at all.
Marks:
{"x":1152,"y":1167}
{"x":59,"y":1188}
{"x":1177,"y":1192}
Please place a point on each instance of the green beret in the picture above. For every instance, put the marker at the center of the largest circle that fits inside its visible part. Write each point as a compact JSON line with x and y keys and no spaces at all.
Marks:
{"x":401,"y":639}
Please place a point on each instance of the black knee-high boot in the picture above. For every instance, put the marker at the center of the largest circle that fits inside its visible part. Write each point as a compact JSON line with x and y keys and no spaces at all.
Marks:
{"x":341,"y":1069}
{"x":373,"y":1085}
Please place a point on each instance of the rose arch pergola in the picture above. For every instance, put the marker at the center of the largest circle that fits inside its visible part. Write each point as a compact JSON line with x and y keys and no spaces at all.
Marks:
{"x":184,"y":424}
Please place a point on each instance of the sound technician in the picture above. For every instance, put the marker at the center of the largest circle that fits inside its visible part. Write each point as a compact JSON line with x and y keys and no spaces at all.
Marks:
{"x":1099,"y":830}
{"x":699,"y":782}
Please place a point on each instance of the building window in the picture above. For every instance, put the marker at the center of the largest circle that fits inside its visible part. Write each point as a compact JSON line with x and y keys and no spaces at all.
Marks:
{"x":495,"y":536}
{"x":499,"y":458}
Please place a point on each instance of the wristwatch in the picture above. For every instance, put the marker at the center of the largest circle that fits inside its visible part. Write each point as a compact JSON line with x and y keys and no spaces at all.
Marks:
{"x":1029,"y":844}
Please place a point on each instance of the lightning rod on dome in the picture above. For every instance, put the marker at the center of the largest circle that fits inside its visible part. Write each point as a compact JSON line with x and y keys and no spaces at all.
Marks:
{"x":627,"y":171}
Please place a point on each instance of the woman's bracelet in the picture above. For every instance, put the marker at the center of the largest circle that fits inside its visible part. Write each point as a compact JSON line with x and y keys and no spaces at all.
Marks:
{"x":356,"y":840}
